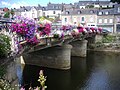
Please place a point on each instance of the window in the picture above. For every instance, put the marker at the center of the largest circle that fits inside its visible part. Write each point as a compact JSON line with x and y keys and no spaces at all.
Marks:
{"x":47,"y":16}
{"x":33,"y":15}
{"x":43,"y":13}
{"x":56,"y":7}
{"x":118,"y":19}
{"x":53,"y":12}
{"x":65,"y":19}
{"x":79,"y":12}
{"x":91,"y":11}
{"x":105,"y":20}
{"x":111,"y":21}
{"x":100,"y":20}
{"x":25,"y":14}
{"x":91,"y":19}
{"x":100,"y":13}
{"x":83,"y":18}
{"x":106,"y":13}
{"x":118,"y":9}
{"x":67,"y":12}
{"x":75,"y":19}
{"x":92,"y":25}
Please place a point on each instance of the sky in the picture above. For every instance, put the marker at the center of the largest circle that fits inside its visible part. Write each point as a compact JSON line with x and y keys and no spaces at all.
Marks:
{"x":18,"y":3}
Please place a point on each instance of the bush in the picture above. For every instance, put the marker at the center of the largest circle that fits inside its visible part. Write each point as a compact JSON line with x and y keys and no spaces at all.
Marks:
{"x":108,"y":39}
{"x":4,"y":45}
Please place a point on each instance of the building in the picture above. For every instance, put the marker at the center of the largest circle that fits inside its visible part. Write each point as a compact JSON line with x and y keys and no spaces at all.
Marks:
{"x":29,"y":11}
{"x":103,"y":14}
{"x":105,"y":19}
{"x":54,"y":10}
{"x":117,"y":18}
{"x":1,"y":12}
{"x":94,"y":4}
{"x":86,"y":17}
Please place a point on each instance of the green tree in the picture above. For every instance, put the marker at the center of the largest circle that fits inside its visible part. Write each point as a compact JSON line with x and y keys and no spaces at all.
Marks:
{"x":4,"y":45}
{"x":7,"y":15}
{"x":90,"y":6}
{"x":118,"y":1}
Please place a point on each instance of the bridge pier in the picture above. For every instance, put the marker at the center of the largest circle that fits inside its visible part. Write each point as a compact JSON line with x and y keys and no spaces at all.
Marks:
{"x":58,"y":57}
{"x":79,"y":48}
{"x":98,"y":38}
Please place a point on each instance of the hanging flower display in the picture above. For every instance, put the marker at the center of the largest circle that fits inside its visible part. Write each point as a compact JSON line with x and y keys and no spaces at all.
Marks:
{"x":40,"y":27}
{"x":25,"y":29}
{"x":32,"y":41}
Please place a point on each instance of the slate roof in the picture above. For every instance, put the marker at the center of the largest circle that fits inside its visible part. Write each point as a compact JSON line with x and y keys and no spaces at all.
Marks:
{"x":85,"y":3}
{"x":110,"y":11}
{"x":116,"y":9}
{"x":91,"y":2}
{"x":52,"y":6}
{"x":1,"y":9}
{"x":80,"y":11}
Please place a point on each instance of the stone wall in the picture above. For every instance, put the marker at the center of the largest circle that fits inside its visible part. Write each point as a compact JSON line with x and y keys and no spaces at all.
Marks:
{"x":58,"y":57}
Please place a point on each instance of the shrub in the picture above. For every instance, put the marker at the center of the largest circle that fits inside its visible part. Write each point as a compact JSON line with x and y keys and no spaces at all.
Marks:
{"x":108,"y":39}
{"x":4,"y":45}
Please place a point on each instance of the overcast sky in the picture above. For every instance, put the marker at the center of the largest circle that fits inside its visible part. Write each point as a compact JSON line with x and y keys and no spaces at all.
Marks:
{"x":18,"y":3}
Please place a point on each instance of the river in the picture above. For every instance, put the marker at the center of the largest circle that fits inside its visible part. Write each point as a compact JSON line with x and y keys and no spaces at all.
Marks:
{"x":98,"y":71}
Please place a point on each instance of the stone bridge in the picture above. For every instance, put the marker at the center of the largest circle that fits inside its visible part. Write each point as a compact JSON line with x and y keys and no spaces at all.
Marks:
{"x":56,"y":52}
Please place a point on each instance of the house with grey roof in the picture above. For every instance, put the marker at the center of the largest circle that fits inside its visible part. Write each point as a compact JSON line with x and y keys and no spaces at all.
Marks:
{"x":51,"y":10}
{"x":93,"y":4}
{"x":105,"y":19}
{"x":29,"y":11}
{"x":86,"y":17}
{"x":54,"y":10}
{"x":117,"y":18}
{"x":103,"y":14}
{"x":1,"y":12}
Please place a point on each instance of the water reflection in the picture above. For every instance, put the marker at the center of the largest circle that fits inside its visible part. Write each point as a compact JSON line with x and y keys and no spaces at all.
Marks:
{"x":98,"y":71}
{"x":19,"y":72}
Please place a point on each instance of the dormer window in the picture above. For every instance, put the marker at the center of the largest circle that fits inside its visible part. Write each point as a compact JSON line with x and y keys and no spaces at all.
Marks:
{"x":67,"y":12}
{"x":53,"y":12}
{"x":79,"y":12}
{"x":91,"y":11}
{"x":100,"y":13}
{"x":43,"y":8}
{"x":106,"y":13}
{"x":33,"y":11}
{"x":57,"y":7}
{"x":118,"y":9}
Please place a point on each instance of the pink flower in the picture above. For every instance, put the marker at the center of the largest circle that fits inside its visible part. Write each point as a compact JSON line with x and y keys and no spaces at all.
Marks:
{"x":37,"y":88}
{"x":41,"y":72}
{"x":22,"y":88}
{"x":43,"y":88}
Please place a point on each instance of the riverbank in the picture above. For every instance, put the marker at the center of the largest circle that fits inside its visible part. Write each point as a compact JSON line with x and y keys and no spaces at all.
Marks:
{"x":106,"y":47}
{"x":8,"y":74}
{"x":105,"y":50}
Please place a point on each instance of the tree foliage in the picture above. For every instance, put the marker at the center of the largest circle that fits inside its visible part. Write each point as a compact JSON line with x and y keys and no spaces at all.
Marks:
{"x":4,"y":45}
{"x":90,"y":6}
{"x":7,"y":15}
{"x":118,"y":1}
